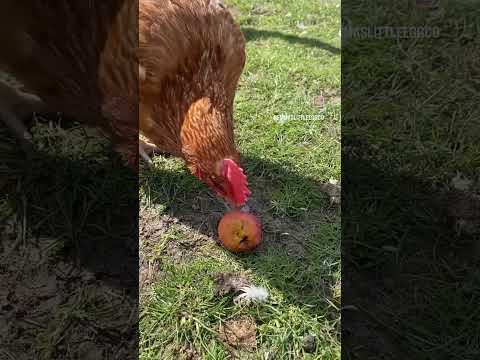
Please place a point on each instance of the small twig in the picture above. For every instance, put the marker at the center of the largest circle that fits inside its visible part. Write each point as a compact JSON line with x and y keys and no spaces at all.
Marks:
{"x":24,"y":220}
{"x":32,"y":322}
{"x":17,"y":241}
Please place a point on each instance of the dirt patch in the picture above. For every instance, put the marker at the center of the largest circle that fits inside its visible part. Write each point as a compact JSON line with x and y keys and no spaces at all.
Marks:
{"x":326,"y":97}
{"x":291,"y":233}
{"x":239,"y":333}
{"x":149,"y":272}
{"x":229,"y":283}
{"x":309,"y":344}
{"x":189,"y":353}
{"x":359,"y":327}
{"x":53,"y":309}
{"x":203,"y":214}
{"x":332,"y":96}
{"x":176,"y":351}
{"x":161,"y":235}
{"x":334,"y":192}
{"x":285,"y":232}
{"x":196,"y":224}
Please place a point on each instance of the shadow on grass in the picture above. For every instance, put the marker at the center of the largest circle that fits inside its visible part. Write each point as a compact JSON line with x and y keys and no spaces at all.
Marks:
{"x":301,"y":232}
{"x":70,"y":262}
{"x":252,"y":34}
{"x":413,"y":282}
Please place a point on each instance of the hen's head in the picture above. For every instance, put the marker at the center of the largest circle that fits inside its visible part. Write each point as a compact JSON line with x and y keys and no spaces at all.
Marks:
{"x":209,"y":150}
{"x":226,"y":180}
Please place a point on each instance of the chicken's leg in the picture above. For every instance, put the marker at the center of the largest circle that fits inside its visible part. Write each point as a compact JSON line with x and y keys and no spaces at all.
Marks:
{"x":147,"y":149}
{"x":15,"y":105}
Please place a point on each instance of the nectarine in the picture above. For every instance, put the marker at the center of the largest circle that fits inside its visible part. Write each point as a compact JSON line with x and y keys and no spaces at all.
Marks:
{"x":239,"y":231}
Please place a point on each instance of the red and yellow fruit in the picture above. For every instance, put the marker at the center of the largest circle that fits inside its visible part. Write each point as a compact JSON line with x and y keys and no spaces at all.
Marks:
{"x":239,"y":231}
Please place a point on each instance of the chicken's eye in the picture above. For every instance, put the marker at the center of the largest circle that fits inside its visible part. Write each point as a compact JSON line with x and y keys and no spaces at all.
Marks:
{"x":218,"y":185}
{"x":216,"y":180}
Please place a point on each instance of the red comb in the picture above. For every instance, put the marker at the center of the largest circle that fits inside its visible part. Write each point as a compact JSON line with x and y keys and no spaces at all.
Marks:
{"x":238,"y":181}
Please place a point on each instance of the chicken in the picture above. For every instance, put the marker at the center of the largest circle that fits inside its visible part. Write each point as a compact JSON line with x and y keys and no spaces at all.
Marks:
{"x":79,"y":58}
{"x":84,"y":58}
{"x":191,"y":55}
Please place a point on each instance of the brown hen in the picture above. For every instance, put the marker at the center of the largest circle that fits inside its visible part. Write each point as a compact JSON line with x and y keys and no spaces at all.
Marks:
{"x":192,"y":54}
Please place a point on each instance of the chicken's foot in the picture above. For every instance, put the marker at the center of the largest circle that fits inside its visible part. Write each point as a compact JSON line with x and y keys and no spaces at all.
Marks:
{"x":147,"y":149}
{"x":16,"y":105}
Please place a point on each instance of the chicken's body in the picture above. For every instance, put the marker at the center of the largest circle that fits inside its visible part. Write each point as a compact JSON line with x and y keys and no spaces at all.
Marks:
{"x":192,"y":54}
{"x":82,"y":58}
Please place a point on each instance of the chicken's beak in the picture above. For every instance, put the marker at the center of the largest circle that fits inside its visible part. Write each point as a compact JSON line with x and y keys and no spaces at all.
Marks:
{"x":228,"y":204}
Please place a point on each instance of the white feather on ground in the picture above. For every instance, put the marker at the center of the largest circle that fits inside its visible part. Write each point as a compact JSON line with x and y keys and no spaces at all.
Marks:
{"x":252,"y":294}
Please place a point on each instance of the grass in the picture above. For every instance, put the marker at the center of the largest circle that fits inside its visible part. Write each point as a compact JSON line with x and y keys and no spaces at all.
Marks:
{"x":410,"y":124}
{"x":68,"y":216}
{"x":292,"y":56}
{"x":69,"y":213}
